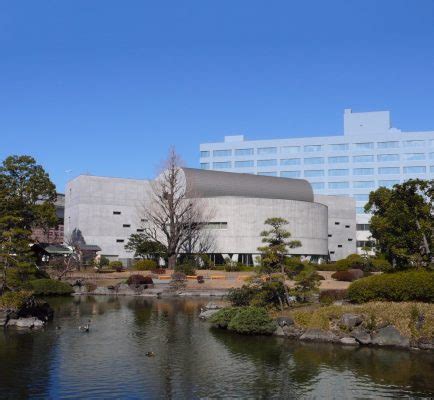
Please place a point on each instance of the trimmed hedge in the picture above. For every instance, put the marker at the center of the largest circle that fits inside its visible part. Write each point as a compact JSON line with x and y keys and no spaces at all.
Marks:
{"x":348,"y":276}
{"x":138,"y":279}
{"x":252,"y":321}
{"x":145,"y":265}
{"x":398,"y":286}
{"x":328,"y":296}
{"x":222,"y":317}
{"x":50,"y":287}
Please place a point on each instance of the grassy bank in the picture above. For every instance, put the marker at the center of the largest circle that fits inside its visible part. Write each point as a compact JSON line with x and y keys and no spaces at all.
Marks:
{"x":411,"y":319}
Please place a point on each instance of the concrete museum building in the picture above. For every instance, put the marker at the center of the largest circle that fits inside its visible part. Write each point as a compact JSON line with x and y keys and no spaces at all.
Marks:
{"x":106,"y":211}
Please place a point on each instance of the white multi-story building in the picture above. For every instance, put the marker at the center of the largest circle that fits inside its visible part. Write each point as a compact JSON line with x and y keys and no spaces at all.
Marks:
{"x":368,"y":155}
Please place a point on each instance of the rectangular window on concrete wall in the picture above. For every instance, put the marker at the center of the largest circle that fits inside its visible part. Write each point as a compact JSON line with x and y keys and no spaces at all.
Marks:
{"x":126,"y":225}
{"x":290,"y":174}
{"x":120,"y":240}
{"x":267,"y":150}
{"x":415,"y":170}
{"x":314,"y":160}
{"x":204,"y":154}
{"x":222,"y":153}
{"x":290,"y":149}
{"x":266,"y":163}
{"x":388,"y":183}
{"x":363,"y":171}
{"x":244,"y":152}
{"x":365,"y":158}
{"x":244,"y":164}
{"x":339,"y":147}
{"x":271,"y":173}
{"x":387,"y":157}
{"x":204,"y":165}
{"x":317,"y":185}
{"x":361,"y":197}
{"x":312,"y":148}
{"x":389,"y":170}
{"x":116,"y":213}
{"x":216,"y":225}
{"x":339,"y":185}
{"x":362,"y":227}
{"x":388,"y":145}
{"x":338,"y":172}
{"x":363,"y":184}
{"x":313,"y":173}
{"x":222,"y":165}
{"x":290,"y":161}
{"x":338,"y":160}
{"x":414,"y":156}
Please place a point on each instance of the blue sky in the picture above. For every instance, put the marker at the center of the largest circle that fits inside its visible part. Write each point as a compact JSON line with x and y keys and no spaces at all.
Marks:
{"x":105,"y":87}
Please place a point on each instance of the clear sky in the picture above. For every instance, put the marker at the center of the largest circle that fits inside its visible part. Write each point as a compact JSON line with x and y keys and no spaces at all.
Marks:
{"x":105,"y":87}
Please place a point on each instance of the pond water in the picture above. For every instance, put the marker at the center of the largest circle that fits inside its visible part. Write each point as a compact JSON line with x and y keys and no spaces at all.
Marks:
{"x":191,"y":360}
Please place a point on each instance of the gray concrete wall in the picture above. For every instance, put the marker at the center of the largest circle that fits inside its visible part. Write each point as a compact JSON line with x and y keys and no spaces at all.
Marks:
{"x":341,"y":225}
{"x":89,"y":205}
{"x":245,"y":218}
{"x":90,"y":202}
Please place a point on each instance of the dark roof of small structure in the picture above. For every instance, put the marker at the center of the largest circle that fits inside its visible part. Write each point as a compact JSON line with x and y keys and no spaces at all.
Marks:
{"x":203,"y":183}
{"x":50,"y":248}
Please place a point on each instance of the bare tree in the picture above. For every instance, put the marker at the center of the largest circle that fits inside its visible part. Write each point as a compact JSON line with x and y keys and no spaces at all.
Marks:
{"x":173,"y":218}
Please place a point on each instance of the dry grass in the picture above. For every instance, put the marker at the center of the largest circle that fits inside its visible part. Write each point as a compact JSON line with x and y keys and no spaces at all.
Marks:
{"x":403,"y":316}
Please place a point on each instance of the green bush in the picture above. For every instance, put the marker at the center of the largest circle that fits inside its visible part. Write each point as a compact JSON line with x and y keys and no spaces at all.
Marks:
{"x":398,"y":286}
{"x":145,"y":265}
{"x":186,"y":269}
{"x":242,"y":296}
{"x":328,"y":296}
{"x":252,"y":321}
{"x":14,"y":300}
{"x":326,"y":267}
{"x":268,"y":294}
{"x":115,"y":264}
{"x":222,"y":317}
{"x":50,"y":287}
{"x":104,"y":261}
{"x":380,"y":264}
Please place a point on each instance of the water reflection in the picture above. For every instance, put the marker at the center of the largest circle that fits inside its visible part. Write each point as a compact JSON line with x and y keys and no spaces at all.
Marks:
{"x":192,"y":360}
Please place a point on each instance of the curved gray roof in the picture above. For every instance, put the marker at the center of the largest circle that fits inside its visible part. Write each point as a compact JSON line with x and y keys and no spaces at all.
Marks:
{"x":203,"y":183}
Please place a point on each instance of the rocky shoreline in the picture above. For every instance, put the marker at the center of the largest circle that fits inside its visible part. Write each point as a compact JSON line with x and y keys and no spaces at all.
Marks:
{"x":124,"y":289}
{"x":33,"y":314}
{"x":349,"y":330}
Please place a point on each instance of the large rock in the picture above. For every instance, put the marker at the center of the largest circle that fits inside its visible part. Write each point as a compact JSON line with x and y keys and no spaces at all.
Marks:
{"x":349,"y":321}
{"x":426,"y":343}
{"x":390,"y":336}
{"x":361,"y":335}
{"x":284,"y":321}
{"x":29,"y":323}
{"x":349,"y":341}
{"x":319,"y":335}
{"x":32,"y":308}
{"x":205,"y":314}
{"x":212,"y":306}
{"x":3,"y":318}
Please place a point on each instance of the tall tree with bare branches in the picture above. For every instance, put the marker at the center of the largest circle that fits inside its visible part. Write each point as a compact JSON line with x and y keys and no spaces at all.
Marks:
{"x":174,"y":218}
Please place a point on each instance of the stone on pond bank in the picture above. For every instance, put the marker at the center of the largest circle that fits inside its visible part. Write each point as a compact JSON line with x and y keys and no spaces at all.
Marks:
{"x":390,"y":336}
{"x":319,"y":335}
{"x":30,"y":323}
{"x":349,"y":341}
{"x":350,"y":321}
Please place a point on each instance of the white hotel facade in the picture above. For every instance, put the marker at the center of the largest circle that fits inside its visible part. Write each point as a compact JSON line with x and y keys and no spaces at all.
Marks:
{"x":368,"y":155}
